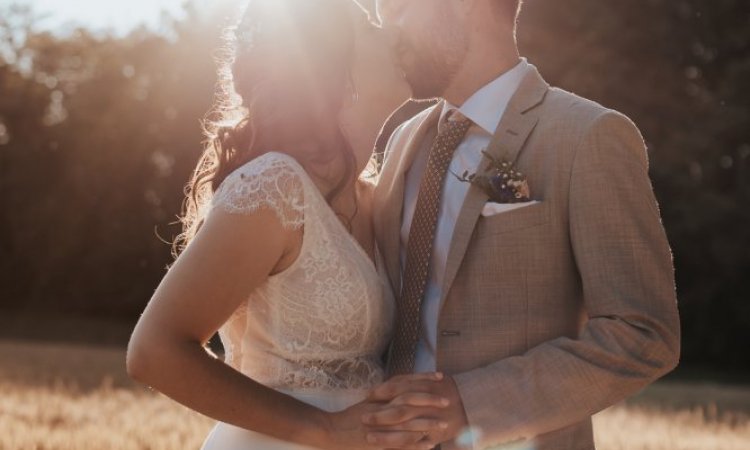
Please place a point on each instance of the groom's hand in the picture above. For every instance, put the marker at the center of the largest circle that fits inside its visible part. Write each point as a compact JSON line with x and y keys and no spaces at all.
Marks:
{"x":445,"y":409}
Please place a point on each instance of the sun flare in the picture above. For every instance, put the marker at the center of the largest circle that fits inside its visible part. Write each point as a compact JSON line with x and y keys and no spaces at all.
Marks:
{"x":95,"y":14}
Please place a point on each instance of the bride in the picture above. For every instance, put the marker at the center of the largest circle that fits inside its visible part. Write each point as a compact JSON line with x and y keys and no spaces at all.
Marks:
{"x":278,"y":253}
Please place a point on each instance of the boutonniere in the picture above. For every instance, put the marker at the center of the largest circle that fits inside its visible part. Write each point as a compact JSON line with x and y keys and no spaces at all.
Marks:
{"x":500,"y":181}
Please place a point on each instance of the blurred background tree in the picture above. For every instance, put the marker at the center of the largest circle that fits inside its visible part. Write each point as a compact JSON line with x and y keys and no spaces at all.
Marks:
{"x":99,"y":133}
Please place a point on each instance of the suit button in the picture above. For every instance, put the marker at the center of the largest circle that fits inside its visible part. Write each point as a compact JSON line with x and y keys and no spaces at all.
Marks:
{"x":450,"y":333}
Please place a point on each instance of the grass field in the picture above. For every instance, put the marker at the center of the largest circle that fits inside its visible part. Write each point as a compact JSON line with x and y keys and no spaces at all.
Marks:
{"x":73,"y":397}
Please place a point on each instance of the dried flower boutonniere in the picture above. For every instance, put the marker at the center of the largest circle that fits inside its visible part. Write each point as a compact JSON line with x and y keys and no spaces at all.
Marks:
{"x":500,"y":181}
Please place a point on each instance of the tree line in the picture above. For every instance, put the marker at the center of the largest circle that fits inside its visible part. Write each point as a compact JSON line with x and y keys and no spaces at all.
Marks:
{"x":98,"y":135}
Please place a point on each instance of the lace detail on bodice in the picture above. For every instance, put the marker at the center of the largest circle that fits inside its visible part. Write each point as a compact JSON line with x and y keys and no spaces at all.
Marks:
{"x":269,"y":182}
{"x":324,"y":322}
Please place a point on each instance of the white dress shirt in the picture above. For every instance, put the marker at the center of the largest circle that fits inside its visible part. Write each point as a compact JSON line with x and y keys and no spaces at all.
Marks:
{"x":485,"y":108}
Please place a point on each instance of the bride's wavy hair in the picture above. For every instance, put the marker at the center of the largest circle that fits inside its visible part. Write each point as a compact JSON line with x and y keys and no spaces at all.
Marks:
{"x":283,"y":73}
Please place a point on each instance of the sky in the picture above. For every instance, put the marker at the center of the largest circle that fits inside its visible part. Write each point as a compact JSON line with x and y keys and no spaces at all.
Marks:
{"x":119,"y":15}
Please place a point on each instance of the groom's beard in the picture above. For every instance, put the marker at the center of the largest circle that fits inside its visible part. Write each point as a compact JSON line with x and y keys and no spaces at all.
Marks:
{"x":430,"y":68}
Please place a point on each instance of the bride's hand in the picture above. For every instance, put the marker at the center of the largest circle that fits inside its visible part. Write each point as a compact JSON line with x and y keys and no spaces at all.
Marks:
{"x":346,"y":430}
{"x":443,"y":410}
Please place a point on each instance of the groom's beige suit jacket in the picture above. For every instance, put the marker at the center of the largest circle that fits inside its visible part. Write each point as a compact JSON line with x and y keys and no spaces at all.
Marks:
{"x":554,"y":311}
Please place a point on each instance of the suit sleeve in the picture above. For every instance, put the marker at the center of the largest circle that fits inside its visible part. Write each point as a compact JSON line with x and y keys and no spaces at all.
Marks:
{"x":632,"y":334}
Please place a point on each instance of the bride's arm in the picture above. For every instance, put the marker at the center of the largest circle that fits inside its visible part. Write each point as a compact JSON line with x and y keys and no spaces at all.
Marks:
{"x":229,"y":257}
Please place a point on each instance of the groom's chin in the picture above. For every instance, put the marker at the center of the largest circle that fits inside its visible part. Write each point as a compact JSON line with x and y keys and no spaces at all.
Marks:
{"x":425,"y":85}
{"x":421,"y":91}
{"x":424,"y":99}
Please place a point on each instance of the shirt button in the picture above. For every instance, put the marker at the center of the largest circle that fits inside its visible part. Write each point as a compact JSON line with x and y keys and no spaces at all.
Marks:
{"x":450,"y":333}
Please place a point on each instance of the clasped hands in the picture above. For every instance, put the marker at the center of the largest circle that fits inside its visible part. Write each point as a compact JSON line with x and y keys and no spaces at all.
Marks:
{"x":407,"y":412}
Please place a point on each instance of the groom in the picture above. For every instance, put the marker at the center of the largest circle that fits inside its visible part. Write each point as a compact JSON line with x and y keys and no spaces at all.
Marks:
{"x":543,"y":297}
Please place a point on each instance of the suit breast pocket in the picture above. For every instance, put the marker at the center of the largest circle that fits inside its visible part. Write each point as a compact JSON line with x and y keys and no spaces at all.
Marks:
{"x":514,"y":220}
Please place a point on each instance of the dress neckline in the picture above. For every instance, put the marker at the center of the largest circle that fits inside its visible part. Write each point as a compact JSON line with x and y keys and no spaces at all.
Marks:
{"x":325,"y":206}
{"x":343,"y":229}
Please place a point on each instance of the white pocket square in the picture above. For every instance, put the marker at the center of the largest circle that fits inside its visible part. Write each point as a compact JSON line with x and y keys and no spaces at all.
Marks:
{"x":492,"y":209}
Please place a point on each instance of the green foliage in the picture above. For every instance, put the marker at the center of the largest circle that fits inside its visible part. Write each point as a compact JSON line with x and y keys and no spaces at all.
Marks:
{"x":98,"y":135}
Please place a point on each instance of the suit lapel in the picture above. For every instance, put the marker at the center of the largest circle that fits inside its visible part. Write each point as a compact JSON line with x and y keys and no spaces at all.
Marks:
{"x":515,"y":127}
{"x":392,"y":212}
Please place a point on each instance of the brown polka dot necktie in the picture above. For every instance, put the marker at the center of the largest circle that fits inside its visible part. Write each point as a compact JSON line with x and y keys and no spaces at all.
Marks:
{"x":420,"y":244}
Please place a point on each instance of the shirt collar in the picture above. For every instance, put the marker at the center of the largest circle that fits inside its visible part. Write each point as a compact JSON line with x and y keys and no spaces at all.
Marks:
{"x":487,"y":105}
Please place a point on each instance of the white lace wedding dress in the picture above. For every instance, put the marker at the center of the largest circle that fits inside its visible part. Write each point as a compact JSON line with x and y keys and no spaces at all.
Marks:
{"x":317,"y":330}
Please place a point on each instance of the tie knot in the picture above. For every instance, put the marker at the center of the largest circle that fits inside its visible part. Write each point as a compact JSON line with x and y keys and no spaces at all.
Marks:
{"x":453,"y":114}
{"x":453,"y":119}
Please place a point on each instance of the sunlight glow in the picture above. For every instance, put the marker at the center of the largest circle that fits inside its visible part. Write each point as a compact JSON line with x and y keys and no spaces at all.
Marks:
{"x":120,"y":16}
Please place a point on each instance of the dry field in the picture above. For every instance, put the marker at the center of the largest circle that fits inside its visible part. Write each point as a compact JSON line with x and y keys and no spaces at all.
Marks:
{"x":64,"y":397}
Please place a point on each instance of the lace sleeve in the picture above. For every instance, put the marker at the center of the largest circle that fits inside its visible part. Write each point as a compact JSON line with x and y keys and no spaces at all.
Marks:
{"x":271,"y":181}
